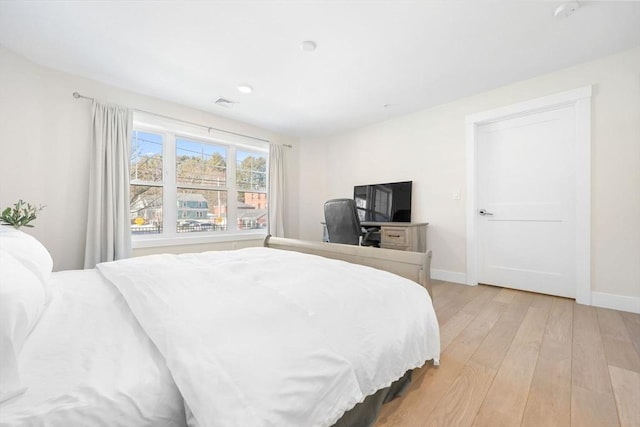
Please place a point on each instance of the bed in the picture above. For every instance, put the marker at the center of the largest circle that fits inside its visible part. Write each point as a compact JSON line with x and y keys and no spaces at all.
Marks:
{"x":266,"y":336}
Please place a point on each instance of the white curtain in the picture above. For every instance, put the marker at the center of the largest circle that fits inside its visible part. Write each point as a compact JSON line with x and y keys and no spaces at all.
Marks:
{"x":108,"y":225}
{"x":276,"y":191}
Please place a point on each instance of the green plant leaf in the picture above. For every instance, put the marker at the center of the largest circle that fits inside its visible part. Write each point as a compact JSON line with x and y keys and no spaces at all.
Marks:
{"x":20,"y":215}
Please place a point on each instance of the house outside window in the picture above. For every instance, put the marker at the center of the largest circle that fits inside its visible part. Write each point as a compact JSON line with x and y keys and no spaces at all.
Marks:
{"x":185,"y":182}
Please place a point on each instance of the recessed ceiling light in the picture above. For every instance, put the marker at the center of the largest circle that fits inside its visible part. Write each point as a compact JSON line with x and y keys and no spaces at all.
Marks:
{"x":245,"y":89}
{"x":308,"y":46}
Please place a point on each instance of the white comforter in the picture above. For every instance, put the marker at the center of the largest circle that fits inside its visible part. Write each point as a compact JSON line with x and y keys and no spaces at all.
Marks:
{"x":88,"y":363}
{"x":262,"y":337}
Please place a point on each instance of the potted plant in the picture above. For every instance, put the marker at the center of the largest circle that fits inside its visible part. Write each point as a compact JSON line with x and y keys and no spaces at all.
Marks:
{"x":21,"y":214}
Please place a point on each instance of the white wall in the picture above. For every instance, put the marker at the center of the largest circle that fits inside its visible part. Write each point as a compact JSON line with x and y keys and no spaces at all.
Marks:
{"x":44,"y":149}
{"x":428,"y":147}
{"x":44,"y":143}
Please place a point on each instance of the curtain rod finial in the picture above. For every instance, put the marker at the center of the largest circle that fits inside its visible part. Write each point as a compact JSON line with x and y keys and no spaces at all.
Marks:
{"x":76,"y":95}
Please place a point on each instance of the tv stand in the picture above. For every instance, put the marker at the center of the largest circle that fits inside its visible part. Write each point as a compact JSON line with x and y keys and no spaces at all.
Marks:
{"x":402,"y":236}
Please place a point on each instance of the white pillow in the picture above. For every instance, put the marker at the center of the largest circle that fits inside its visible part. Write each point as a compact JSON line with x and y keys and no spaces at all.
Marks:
{"x":22,"y":300}
{"x":28,"y":250}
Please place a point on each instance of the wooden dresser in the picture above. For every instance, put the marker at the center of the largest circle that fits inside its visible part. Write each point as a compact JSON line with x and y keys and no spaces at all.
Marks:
{"x":402,"y":236}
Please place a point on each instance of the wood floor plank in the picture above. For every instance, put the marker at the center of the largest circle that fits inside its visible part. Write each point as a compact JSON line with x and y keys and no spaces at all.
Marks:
{"x":621,"y":353}
{"x":461,"y":350}
{"x":408,"y":411}
{"x":466,"y":394}
{"x":591,"y":408}
{"x":443,"y":295}
{"x":560,"y":324}
{"x":467,"y":391}
{"x":592,"y":397}
{"x":589,"y":368}
{"x":450,"y":330}
{"x":626,"y":390}
{"x":435,"y":382}
{"x":455,"y":324}
{"x":454,"y":306}
{"x":542,"y":301}
{"x":506,"y":295}
{"x":466,"y":344}
{"x":616,"y":339}
{"x":422,"y":397}
{"x":611,"y":323}
{"x":632,"y":323}
{"x":495,"y":346}
{"x":476,"y":305}
{"x":505,"y":402}
{"x":549,"y":402}
{"x":581,"y":365}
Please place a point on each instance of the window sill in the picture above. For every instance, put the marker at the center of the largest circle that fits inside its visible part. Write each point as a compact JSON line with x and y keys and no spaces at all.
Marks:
{"x":138,"y":242}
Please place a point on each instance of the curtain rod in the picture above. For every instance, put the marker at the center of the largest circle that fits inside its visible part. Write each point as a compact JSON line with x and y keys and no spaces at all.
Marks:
{"x":77,"y":95}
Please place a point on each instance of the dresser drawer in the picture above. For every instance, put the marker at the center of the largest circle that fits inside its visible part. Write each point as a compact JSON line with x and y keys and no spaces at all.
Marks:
{"x":402,"y":236}
{"x":394,"y":236}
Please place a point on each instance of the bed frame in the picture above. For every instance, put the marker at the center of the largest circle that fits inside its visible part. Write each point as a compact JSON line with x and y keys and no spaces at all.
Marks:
{"x":412,"y":265}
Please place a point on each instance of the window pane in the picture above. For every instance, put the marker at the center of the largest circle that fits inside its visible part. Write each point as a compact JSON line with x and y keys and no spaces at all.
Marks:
{"x":200,"y":210}
{"x":146,"y":157}
{"x":145,"y":209}
{"x":199,"y":163}
{"x":251,"y":172}
{"x":252,"y":210}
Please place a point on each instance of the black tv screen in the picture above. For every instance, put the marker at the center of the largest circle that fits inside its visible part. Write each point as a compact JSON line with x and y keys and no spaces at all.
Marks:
{"x":389,"y":202}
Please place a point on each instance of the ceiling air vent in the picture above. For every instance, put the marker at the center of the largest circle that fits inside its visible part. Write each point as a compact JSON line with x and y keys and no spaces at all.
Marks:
{"x":223,"y":102}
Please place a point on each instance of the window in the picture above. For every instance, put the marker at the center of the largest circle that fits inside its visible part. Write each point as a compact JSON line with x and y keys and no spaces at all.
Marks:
{"x":186,"y":183}
{"x":146,"y":187}
{"x":201,"y":176}
{"x":251,"y":180}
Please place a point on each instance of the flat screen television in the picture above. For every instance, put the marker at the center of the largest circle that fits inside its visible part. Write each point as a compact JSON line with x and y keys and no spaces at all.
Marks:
{"x":389,"y":202}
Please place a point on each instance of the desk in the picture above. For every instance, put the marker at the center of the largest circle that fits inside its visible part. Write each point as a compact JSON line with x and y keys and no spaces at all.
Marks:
{"x":402,"y":236}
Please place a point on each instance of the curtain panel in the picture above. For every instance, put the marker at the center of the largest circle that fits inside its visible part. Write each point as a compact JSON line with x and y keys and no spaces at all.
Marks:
{"x":108,"y":225}
{"x":276,"y":191}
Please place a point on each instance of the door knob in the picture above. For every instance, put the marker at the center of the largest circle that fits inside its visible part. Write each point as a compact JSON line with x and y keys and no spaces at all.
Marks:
{"x":483,"y":212}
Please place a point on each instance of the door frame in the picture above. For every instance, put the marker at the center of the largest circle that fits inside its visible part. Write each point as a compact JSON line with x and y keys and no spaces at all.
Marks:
{"x":580,"y":100}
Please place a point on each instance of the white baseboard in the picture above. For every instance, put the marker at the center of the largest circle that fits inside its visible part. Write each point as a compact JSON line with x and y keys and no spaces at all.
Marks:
{"x":616,"y":302}
{"x":598,"y":299}
{"x":449,"y":276}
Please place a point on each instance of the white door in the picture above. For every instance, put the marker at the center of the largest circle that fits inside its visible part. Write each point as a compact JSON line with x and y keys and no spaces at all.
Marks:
{"x":526,"y":217}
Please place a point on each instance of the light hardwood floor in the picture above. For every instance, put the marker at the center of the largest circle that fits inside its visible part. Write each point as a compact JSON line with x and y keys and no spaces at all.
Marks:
{"x":512,"y":358}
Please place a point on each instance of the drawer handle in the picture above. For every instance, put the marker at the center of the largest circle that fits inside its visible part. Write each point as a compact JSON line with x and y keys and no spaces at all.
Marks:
{"x":394,"y":235}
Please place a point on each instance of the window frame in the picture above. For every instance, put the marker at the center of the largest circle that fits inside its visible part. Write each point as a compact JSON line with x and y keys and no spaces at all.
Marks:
{"x":170,"y":131}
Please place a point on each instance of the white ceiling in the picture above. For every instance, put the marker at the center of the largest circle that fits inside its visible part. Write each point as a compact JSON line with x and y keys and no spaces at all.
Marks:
{"x":409,"y":55}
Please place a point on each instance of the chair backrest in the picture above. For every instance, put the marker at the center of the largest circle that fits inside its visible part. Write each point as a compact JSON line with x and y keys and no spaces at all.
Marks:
{"x":341,"y":219}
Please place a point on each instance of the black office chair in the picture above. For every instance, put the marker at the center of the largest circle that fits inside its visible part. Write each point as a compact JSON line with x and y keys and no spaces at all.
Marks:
{"x":343,"y":224}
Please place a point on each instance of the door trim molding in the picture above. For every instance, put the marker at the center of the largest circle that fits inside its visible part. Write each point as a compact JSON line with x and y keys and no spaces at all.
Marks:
{"x":580,"y":100}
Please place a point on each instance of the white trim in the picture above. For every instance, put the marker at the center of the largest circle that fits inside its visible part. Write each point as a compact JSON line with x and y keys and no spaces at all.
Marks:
{"x":616,"y":302}
{"x":583,"y":200}
{"x":171,"y":130}
{"x":544,"y":103}
{"x":192,"y":130}
{"x":449,"y":276}
{"x":472,"y":203}
{"x":580,"y":99}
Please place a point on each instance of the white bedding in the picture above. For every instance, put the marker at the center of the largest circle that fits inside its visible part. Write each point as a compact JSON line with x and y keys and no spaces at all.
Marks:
{"x":88,"y":363}
{"x":249,"y":338}
{"x":261,"y":337}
